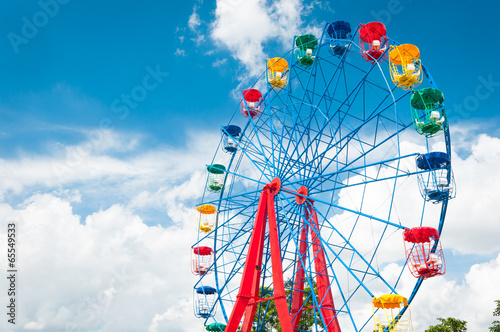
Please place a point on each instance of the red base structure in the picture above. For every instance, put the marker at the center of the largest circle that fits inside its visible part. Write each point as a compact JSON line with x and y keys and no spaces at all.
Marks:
{"x":248,"y":298}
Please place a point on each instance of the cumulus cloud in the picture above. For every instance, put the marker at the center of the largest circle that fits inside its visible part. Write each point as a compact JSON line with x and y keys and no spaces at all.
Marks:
{"x":471,"y":227}
{"x":100,"y":156}
{"x":89,"y":275}
{"x":244,"y":27}
{"x":194,"y":20}
{"x":112,"y":270}
{"x":105,"y":171}
{"x":471,"y":223}
{"x":219,"y":62}
{"x":180,"y":52}
{"x":470,"y":300}
{"x":88,"y":272}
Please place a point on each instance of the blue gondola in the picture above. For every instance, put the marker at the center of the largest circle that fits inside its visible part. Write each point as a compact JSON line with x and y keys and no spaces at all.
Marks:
{"x":203,"y":302}
{"x":436,"y":181}
{"x":340,"y":32}
{"x":230,"y":134}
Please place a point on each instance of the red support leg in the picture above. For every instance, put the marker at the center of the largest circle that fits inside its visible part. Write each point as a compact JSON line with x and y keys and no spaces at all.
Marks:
{"x":252,"y":307}
{"x":251,"y":272}
{"x":299,"y":281}
{"x":278,"y":283}
{"x":325,"y":297}
{"x":248,"y":292}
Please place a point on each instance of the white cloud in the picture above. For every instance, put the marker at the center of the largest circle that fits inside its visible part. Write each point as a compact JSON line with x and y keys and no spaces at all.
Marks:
{"x":194,"y":20}
{"x":471,"y":223}
{"x":323,"y":5}
{"x":243,"y":27}
{"x":93,"y":275}
{"x":179,"y":32}
{"x":180,"y":52}
{"x":471,"y":227}
{"x":108,"y":171}
{"x":163,"y":322}
{"x":90,"y":272}
{"x":219,"y":62}
{"x":89,"y":276}
{"x":199,"y":39}
{"x":471,"y":300}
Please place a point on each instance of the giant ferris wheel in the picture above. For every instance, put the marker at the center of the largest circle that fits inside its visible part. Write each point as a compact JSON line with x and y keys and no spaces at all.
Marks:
{"x":326,"y":193}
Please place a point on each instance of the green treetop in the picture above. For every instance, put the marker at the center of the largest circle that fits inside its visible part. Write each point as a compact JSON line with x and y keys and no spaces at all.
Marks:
{"x":449,"y":325}
{"x":496,"y":324}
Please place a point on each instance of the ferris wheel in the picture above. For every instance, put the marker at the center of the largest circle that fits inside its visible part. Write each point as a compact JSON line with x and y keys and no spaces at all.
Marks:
{"x":324,"y":201}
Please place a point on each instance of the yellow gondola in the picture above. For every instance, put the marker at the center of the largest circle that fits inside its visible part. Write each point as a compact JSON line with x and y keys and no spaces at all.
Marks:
{"x":405,"y":67}
{"x":207,"y":216}
{"x":391,"y":305}
{"x":277,"y":73}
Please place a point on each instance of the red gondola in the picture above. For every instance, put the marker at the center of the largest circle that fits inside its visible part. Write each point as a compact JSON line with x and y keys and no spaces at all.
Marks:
{"x":251,"y":103}
{"x":373,"y":41}
{"x":201,"y":260}
{"x":424,"y":254}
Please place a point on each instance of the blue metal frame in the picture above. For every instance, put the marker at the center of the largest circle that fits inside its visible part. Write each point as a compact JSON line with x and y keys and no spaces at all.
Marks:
{"x":336,"y":128}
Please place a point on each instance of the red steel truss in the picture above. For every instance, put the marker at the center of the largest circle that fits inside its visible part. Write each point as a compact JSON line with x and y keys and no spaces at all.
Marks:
{"x":248,"y":298}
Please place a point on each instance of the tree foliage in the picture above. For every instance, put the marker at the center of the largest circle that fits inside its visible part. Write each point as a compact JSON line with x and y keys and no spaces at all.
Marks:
{"x":496,"y":324}
{"x":496,"y":312}
{"x":266,"y":317}
{"x":449,"y":325}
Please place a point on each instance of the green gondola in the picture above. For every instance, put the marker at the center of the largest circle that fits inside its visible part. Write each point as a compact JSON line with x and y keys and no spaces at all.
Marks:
{"x":428,"y":111}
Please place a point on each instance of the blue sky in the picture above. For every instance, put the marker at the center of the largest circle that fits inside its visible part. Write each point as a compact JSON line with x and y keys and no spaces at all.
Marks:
{"x":100,"y":51}
{"x":109,"y":111}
